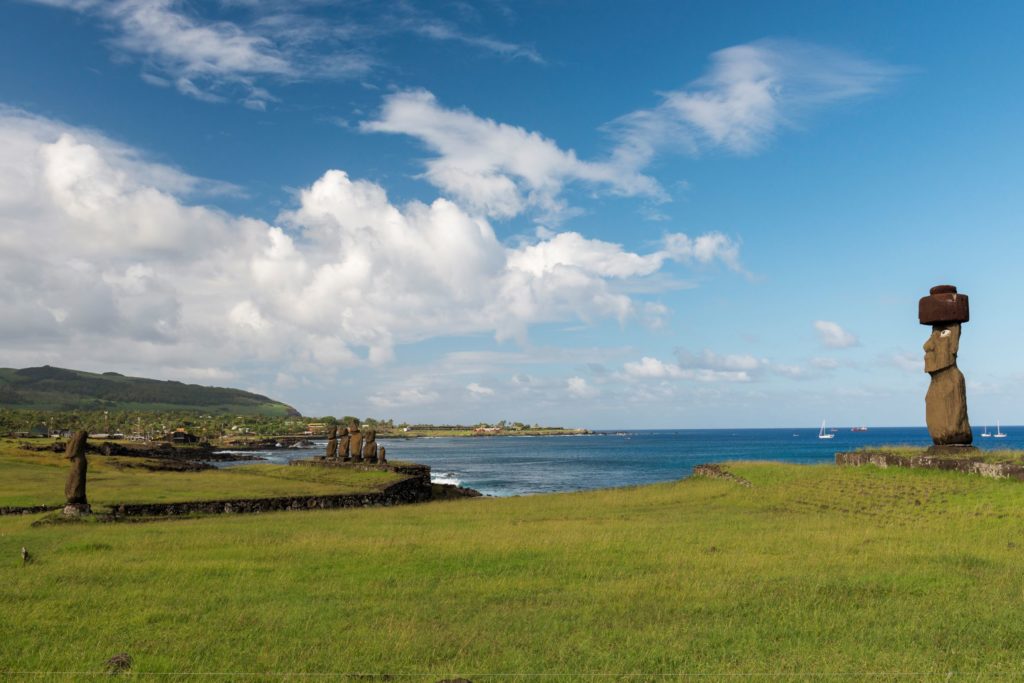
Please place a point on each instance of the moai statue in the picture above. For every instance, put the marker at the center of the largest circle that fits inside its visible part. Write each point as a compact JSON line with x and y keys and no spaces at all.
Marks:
{"x":370,"y":446}
{"x":343,"y":443}
{"x":74,"y":488}
{"x":380,"y":455}
{"x":332,"y":444}
{"x":355,"y":443}
{"x":946,"y":401}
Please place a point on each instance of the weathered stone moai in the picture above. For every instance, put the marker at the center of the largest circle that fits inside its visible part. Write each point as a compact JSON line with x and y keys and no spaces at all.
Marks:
{"x":332,"y":444}
{"x":74,"y":488}
{"x":370,"y":446}
{"x":946,"y":401}
{"x":380,"y":455}
{"x":355,"y":443}
{"x":343,"y":443}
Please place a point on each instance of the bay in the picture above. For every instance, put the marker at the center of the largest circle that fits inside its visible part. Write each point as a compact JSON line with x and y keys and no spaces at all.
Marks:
{"x":522,"y":465}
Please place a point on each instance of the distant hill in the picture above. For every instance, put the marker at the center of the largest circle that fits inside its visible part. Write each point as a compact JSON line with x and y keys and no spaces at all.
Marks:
{"x":49,"y":388}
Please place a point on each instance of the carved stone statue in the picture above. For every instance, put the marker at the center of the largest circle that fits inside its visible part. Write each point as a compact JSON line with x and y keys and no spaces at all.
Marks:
{"x":370,"y":446}
{"x":74,"y":488}
{"x":380,"y":455}
{"x":946,"y":401}
{"x":343,"y":443}
{"x":332,"y":444}
{"x":355,"y":442}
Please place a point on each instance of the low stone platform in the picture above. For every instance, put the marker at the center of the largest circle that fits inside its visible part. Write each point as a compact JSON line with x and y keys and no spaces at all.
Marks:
{"x":970,"y":463}
{"x":410,"y":469}
{"x":409,"y":490}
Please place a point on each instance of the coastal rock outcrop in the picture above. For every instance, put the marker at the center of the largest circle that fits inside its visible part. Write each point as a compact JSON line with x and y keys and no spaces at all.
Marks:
{"x":946,"y":401}
{"x":76,"y":502}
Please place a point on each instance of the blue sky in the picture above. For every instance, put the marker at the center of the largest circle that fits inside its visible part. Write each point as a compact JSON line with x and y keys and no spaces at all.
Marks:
{"x":589,"y":214}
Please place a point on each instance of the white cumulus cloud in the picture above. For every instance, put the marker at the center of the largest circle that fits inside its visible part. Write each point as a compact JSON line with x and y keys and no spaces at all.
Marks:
{"x":578,"y":387}
{"x":104,"y":262}
{"x":832,"y":335}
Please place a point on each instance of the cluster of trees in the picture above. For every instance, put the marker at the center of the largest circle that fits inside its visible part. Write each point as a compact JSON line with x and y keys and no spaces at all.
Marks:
{"x":155,"y":424}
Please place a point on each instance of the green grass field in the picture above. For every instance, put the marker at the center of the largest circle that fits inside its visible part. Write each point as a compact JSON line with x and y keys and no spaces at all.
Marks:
{"x":37,"y":478}
{"x":813,"y":572}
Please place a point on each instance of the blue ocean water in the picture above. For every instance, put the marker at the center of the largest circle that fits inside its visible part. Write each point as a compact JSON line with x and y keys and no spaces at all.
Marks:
{"x":519,"y":465}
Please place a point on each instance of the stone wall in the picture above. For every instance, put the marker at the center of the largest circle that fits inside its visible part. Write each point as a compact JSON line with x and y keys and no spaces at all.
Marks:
{"x":29,"y":510}
{"x":713,"y":471}
{"x":409,"y":490}
{"x":885,"y":459}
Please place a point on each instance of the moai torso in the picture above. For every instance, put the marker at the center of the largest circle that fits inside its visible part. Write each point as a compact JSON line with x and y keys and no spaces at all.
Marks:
{"x":355,"y":443}
{"x":343,"y":443}
{"x":370,"y":446}
{"x":332,"y":443}
{"x":74,"y":487}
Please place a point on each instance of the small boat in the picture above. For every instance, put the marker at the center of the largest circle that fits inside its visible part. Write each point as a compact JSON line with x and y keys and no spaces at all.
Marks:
{"x":822,"y":434}
{"x":999,"y":433}
{"x":859,"y":429}
{"x":985,"y":433}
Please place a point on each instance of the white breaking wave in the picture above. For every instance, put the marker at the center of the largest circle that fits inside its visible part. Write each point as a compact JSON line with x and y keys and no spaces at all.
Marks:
{"x":446,"y":478}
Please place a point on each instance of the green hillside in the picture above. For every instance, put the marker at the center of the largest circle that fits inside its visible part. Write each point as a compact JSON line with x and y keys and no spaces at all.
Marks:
{"x":50,"y":388}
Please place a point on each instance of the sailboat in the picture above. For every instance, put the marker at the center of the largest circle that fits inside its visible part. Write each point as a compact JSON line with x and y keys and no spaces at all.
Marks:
{"x":985,"y":433}
{"x":822,"y":434}
{"x":999,"y":433}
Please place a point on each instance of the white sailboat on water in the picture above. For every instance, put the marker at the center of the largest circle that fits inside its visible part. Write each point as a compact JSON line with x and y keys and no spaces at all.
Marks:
{"x":999,"y":433}
{"x":985,"y":432}
{"x":822,"y":434}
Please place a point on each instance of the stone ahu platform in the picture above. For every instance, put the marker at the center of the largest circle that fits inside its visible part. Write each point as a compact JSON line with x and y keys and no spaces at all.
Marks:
{"x":1007,"y":465}
{"x":414,"y":488}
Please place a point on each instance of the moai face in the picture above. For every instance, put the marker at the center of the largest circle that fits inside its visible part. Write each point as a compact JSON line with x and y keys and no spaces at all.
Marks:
{"x":941,"y":348}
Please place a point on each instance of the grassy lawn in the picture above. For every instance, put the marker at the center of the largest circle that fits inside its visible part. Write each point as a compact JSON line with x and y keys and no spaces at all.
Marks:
{"x":33,"y":478}
{"x":812,"y":570}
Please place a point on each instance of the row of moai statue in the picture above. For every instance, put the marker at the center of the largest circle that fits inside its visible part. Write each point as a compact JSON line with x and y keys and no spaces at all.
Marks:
{"x":348,"y":444}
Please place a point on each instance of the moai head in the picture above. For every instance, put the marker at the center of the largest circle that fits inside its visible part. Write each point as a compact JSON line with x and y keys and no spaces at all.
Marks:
{"x":944,"y":309}
{"x":941,"y":348}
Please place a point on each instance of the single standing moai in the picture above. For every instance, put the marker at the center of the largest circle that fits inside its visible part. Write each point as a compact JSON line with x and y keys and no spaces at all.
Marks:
{"x":370,"y":446}
{"x":380,"y":455}
{"x":332,"y":444}
{"x":74,"y":488}
{"x":343,"y":443}
{"x":946,"y":401}
{"x":355,"y":443}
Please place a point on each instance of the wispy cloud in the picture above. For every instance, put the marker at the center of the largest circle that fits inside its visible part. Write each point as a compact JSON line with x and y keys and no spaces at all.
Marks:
{"x":440,"y":30}
{"x":499,"y":169}
{"x":747,"y":95}
{"x":205,"y":56}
